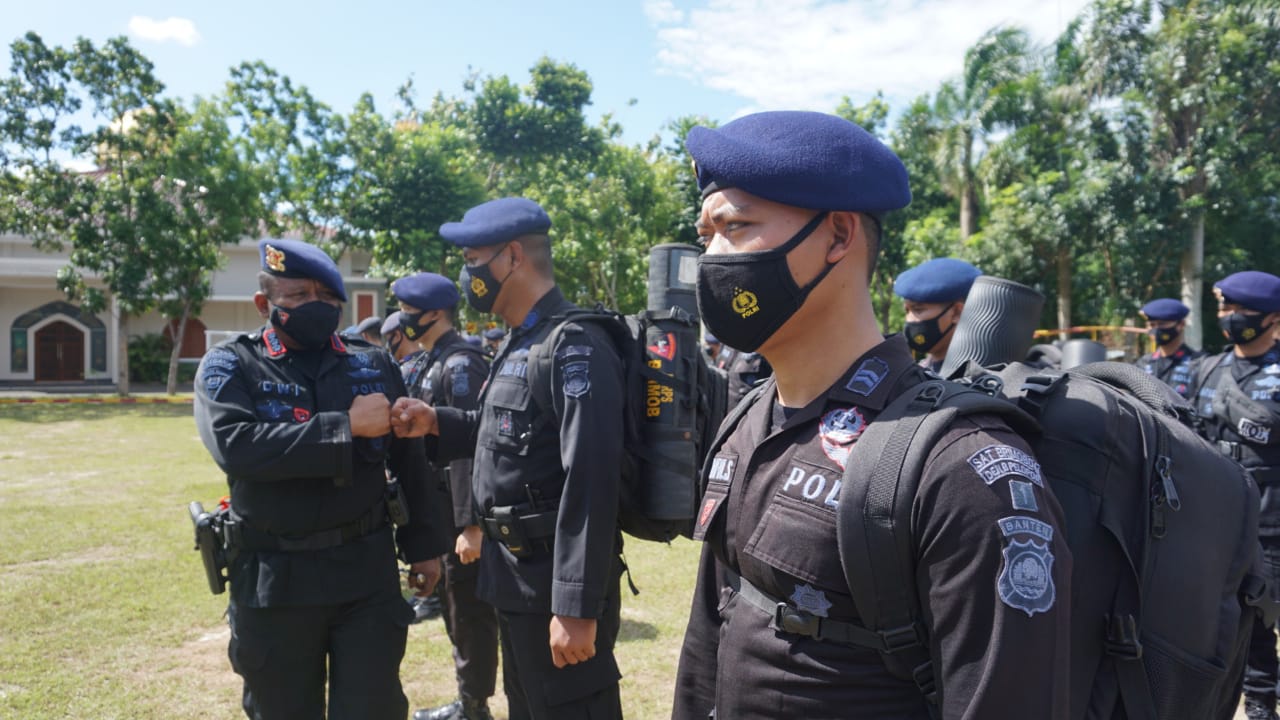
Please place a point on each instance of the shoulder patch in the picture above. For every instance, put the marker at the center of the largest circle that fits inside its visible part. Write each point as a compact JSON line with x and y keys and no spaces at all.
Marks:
{"x":998,"y":461}
{"x":458,"y":359}
{"x":217,"y":367}
{"x":1026,"y":581}
{"x":1023,"y":496}
{"x":1023,"y":525}
{"x":574,"y":351}
{"x":460,"y":380}
{"x":577,"y":378}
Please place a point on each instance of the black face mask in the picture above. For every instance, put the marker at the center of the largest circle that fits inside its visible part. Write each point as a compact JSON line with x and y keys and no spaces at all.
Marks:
{"x":1163,"y":336}
{"x":479,"y":284}
{"x":744,"y":298}
{"x":310,"y":324}
{"x":1242,"y":329}
{"x":923,"y":335}
{"x":394,"y":347}
{"x":409,"y":324}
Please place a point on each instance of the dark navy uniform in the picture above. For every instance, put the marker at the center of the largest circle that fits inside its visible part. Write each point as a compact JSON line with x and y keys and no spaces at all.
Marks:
{"x":769,"y":516}
{"x":550,"y":474}
{"x":313,"y":574}
{"x":451,"y":374}
{"x":1176,"y":370}
{"x":1238,"y":402}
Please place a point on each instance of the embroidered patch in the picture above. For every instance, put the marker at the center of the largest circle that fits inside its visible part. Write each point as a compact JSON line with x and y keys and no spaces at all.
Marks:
{"x":213,"y":383}
{"x":286,"y":389}
{"x":814,"y":487}
{"x":301,"y":415}
{"x":577,"y":379}
{"x":461,"y":381}
{"x":1026,"y":582}
{"x":997,"y":461}
{"x":839,"y":429}
{"x":722,"y":468}
{"x":1023,"y":495}
{"x":218,"y":366}
{"x":1022,"y":525}
{"x":708,"y":509}
{"x":506,"y":425}
{"x":710,"y":506}
{"x":1268,"y":382}
{"x":361,"y":367}
{"x":220,"y":358}
{"x":811,"y":600}
{"x":273,"y":409}
{"x":572,"y":350}
{"x":1254,"y":432}
{"x":275,"y":348}
{"x":529,"y":320}
{"x":1272,"y":369}
{"x":665,"y":347}
{"x":868,"y":376}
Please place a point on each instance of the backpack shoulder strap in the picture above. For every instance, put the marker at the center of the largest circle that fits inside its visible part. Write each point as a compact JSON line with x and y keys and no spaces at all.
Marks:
{"x":873,"y":522}
{"x":735,"y":415}
{"x":541,"y":354}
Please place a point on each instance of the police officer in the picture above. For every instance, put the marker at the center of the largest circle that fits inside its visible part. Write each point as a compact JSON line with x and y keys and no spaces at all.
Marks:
{"x":450,"y":373}
{"x":1172,"y":362}
{"x":790,"y":222}
{"x":1238,"y":402}
{"x":546,"y":476}
{"x":933,"y":295}
{"x":713,"y":347}
{"x":393,"y":340}
{"x":369,"y":330}
{"x":493,"y":340}
{"x":299,"y":420}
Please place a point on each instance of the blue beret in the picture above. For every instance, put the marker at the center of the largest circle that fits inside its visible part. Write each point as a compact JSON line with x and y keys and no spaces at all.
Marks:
{"x":391,"y":324}
{"x":349,"y":331}
{"x":1253,"y":289}
{"x":1164,"y":309}
{"x":708,"y":337}
{"x":938,"y":280}
{"x":804,"y":159}
{"x":369,"y":324}
{"x":297,"y":259}
{"x":494,"y":334}
{"x":496,"y":222}
{"x":426,"y":291}
{"x":473,"y":340}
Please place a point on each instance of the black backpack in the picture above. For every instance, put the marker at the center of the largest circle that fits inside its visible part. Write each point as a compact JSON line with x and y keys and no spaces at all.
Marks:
{"x":434,"y":374}
{"x":1161,"y":526}
{"x":673,"y":402}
